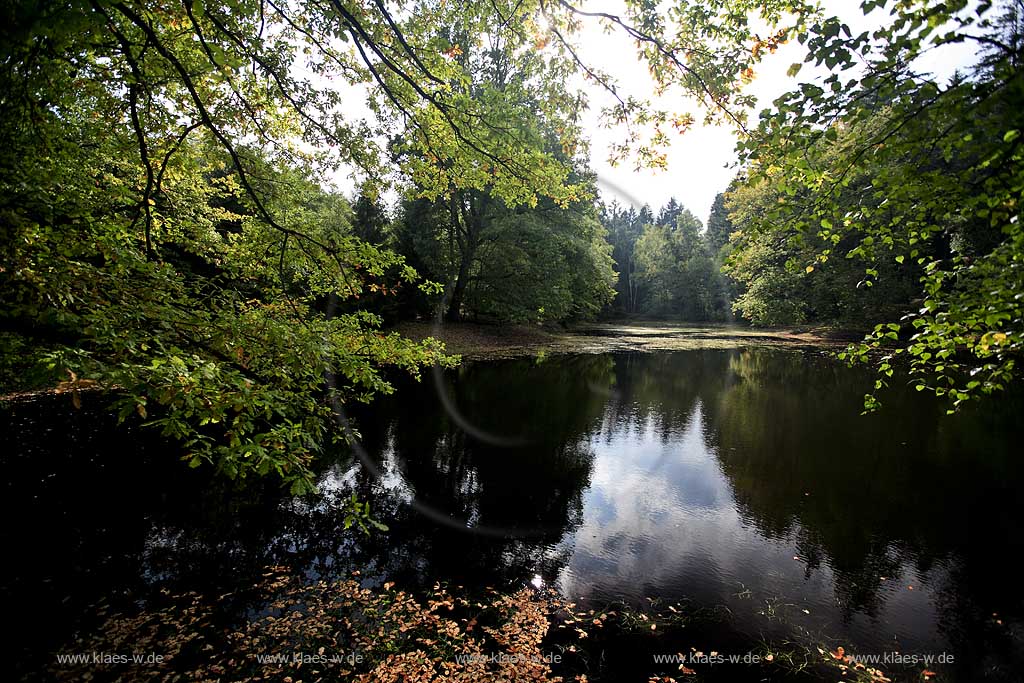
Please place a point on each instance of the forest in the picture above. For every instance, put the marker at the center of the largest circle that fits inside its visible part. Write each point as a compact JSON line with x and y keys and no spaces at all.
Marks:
{"x":167,"y":227}
{"x":219,"y":215}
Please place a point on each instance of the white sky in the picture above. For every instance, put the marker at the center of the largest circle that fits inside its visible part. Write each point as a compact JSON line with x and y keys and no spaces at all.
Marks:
{"x":698,"y":160}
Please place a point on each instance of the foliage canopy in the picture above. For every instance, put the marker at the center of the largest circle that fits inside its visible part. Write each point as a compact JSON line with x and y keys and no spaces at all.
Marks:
{"x":915,"y":180}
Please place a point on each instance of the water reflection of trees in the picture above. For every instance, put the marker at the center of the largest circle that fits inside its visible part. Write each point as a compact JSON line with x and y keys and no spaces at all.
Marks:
{"x":533,"y":488}
{"x":864,"y":495}
{"x":907,"y":487}
{"x":114,"y":512}
{"x":867,"y":496}
{"x":529,"y":483}
{"x":661,"y":389}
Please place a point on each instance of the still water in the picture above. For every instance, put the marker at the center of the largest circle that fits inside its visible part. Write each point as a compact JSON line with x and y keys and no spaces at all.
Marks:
{"x":743,"y":482}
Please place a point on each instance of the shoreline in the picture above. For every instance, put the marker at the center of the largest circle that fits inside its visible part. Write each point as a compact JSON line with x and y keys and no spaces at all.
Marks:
{"x":476,"y":341}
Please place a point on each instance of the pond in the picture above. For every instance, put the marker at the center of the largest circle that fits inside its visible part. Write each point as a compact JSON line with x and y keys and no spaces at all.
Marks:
{"x":743,"y":482}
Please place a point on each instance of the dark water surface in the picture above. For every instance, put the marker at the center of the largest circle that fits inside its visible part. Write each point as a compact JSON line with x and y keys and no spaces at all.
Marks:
{"x":742,"y":481}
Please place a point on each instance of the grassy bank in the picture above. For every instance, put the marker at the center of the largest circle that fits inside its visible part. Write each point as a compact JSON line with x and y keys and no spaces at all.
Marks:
{"x":478,"y":341}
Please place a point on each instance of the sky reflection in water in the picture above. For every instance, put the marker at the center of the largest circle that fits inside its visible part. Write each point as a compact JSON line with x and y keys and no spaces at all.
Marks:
{"x":744,"y":478}
{"x":741,"y":480}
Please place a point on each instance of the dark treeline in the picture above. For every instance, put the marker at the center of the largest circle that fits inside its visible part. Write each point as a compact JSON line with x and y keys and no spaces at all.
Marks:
{"x":591,"y":259}
{"x":668,"y":265}
{"x":501,"y":264}
{"x":550,"y":264}
{"x":588,"y":260}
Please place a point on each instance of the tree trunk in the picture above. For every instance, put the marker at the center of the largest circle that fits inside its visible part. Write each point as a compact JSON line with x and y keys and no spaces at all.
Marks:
{"x":465,"y":223}
{"x":458,"y":291}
